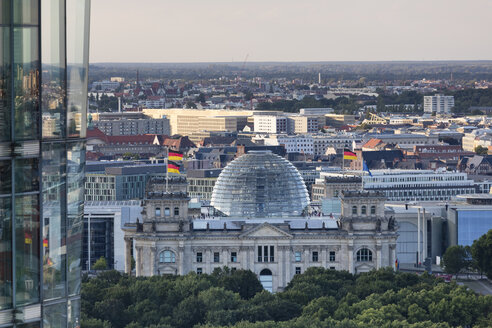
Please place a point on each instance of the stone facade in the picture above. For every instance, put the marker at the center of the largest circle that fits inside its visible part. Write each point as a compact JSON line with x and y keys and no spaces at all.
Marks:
{"x":168,"y":241}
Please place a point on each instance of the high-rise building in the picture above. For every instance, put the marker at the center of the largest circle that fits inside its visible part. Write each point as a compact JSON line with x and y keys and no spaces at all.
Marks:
{"x":43,"y":104}
{"x":439,"y":104}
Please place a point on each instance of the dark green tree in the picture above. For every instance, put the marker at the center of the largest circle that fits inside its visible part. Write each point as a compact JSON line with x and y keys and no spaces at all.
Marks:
{"x":456,"y":259}
{"x":481,"y":251}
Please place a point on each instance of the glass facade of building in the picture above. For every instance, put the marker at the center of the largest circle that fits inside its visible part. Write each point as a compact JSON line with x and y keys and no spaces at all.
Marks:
{"x":260,"y":184}
{"x":472,"y":224}
{"x":43,"y":105}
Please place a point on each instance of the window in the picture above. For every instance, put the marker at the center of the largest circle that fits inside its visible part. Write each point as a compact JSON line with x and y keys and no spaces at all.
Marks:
{"x":332,"y":268}
{"x":354,"y":210}
{"x":364,"y":255}
{"x":157,"y":212}
{"x":373,"y":210}
{"x":216,"y":257}
{"x":297,"y":256}
{"x":266,"y":253}
{"x":167,"y":257}
{"x":332,"y":256}
{"x":199,"y":257}
{"x":272,"y":256}
{"x":199,"y":270}
{"x":260,"y":257}
{"x":298,"y":270}
{"x":233,"y":256}
{"x":167,"y":211}
{"x":176,"y":211}
{"x":315,"y":256}
{"x":363,"y":210}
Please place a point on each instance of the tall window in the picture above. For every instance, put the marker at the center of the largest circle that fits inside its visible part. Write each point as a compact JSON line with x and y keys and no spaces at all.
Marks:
{"x":363,"y":210}
{"x":167,"y":211}
{"x":332,"y":256}
{"x":298,"y":256}
{"x":364,"y":255}
{"x":373,"y":210}
{"x":266,"y":253}
{"x":176,"y":211}
{"x":157,"y":211}
{"x":315,"y":256}
{"x":354,"y":210}
{"x":298,"y":270}
{"x":233,"y":256}
{"x":167,"y":257}
{"x":199,"y":257}
{"x":216,"y":257}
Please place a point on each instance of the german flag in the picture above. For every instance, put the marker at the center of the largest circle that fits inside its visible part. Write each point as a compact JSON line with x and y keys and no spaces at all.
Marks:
{"x":172,"y":167}
{"x":175,"y":155}
{"x":347,"y":154}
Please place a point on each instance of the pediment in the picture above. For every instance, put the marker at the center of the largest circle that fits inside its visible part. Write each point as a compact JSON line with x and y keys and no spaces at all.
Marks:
{"x":265,"y":230}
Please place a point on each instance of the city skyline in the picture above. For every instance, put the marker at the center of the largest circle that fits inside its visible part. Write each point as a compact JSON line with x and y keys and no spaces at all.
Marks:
{"x":222,"y":31}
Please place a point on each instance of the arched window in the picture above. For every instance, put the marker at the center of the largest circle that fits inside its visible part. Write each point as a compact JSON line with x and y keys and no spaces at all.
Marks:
{"x":167,"y":257}
{"x":157,"y":211}
{"x":373,"y":210}
{"x":176,"y":211}
{"x":266,"y":280}
{"x":364,"y":255}
{"x":363,"y":210}
{"x":354,"y":210}
{"x":167,"y":211}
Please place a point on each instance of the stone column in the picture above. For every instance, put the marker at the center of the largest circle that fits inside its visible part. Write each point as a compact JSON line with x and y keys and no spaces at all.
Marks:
{"x":181,"y":260}
{"x":378,"y":256}
{"x":323,"y":256}
{"x":128,"y":255}
{"x":138,"y":261}
{"x":153,"y":251}
{"x":350,"y":253}
{"x":392,"y":250}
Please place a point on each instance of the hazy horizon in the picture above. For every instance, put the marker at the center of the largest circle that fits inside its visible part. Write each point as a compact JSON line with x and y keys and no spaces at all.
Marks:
{"x":223,"y":31}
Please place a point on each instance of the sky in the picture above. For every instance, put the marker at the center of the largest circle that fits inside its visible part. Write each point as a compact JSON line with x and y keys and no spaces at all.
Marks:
{"x":180,"y":31}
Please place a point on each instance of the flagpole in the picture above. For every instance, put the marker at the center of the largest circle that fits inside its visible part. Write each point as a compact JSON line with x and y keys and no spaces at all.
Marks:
{"x":167,"y":168}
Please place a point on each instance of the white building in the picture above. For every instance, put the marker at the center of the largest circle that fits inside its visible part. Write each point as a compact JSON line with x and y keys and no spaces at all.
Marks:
{"x":419,"y":185}
{"x":439,"y":104}
{"x":479,"y":137}
{"x":270,"y":123}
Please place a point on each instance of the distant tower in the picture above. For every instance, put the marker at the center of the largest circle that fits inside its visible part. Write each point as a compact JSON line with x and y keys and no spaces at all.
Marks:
{"x":137,"y":78}
{"x":319,"y":78}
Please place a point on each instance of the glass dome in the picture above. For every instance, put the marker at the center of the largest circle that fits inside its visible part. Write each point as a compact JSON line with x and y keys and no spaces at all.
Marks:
{"x":260,"y":184}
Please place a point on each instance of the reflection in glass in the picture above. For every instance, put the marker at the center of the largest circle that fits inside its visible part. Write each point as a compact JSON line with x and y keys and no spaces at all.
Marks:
{"x":54,"y":223}
{"x":5,"y":90}
{"x":55,"y":315}
{"x":5,"y":177}
{"x":5,"y":254}
{"x":26,"y":82}
{"x":5,"y":11}
{"x":30,"y":325}
{"x":53,"y":68}
{"x":74,"y":313}
{"x":26,"y":175}
{"x":27,"y":249}
{"x":26,"y":12}
{"x":78,"y":34}
{"x":75,"y":212}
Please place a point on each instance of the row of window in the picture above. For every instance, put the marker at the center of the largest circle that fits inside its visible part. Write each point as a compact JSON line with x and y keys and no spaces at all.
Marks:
{"x":167,"y":211}
{"x":363,"y":210}
{"x":314,"y":256}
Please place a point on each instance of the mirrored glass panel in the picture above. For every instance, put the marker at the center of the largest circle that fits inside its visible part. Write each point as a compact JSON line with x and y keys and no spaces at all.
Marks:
{"x":26,"y":175}
{"x":6,"y":253}
{"x":26,"y":83}
{"x":5,"y":11}
{"x":27,"y":249}
{"x":54,"y":247}
{"x":26,"y":12}
{"x":55,"y":315}
{"x":5,"y":85}
{"x":5,"y":177}
{"x":75,"y":213}
{"x":77,"y":61}
{"x":53,"y":69}
{"x":74,"y":313}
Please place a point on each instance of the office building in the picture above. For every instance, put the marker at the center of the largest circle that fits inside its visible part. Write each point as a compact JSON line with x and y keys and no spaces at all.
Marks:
{"x":439,"y":104}
{"x":270,"y":123}
{"x":126,"y":127}
{"x":419,"y":185}
{"x":43,"y":78}
{"x":201,"y":183}
{"x":103,"y":231}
